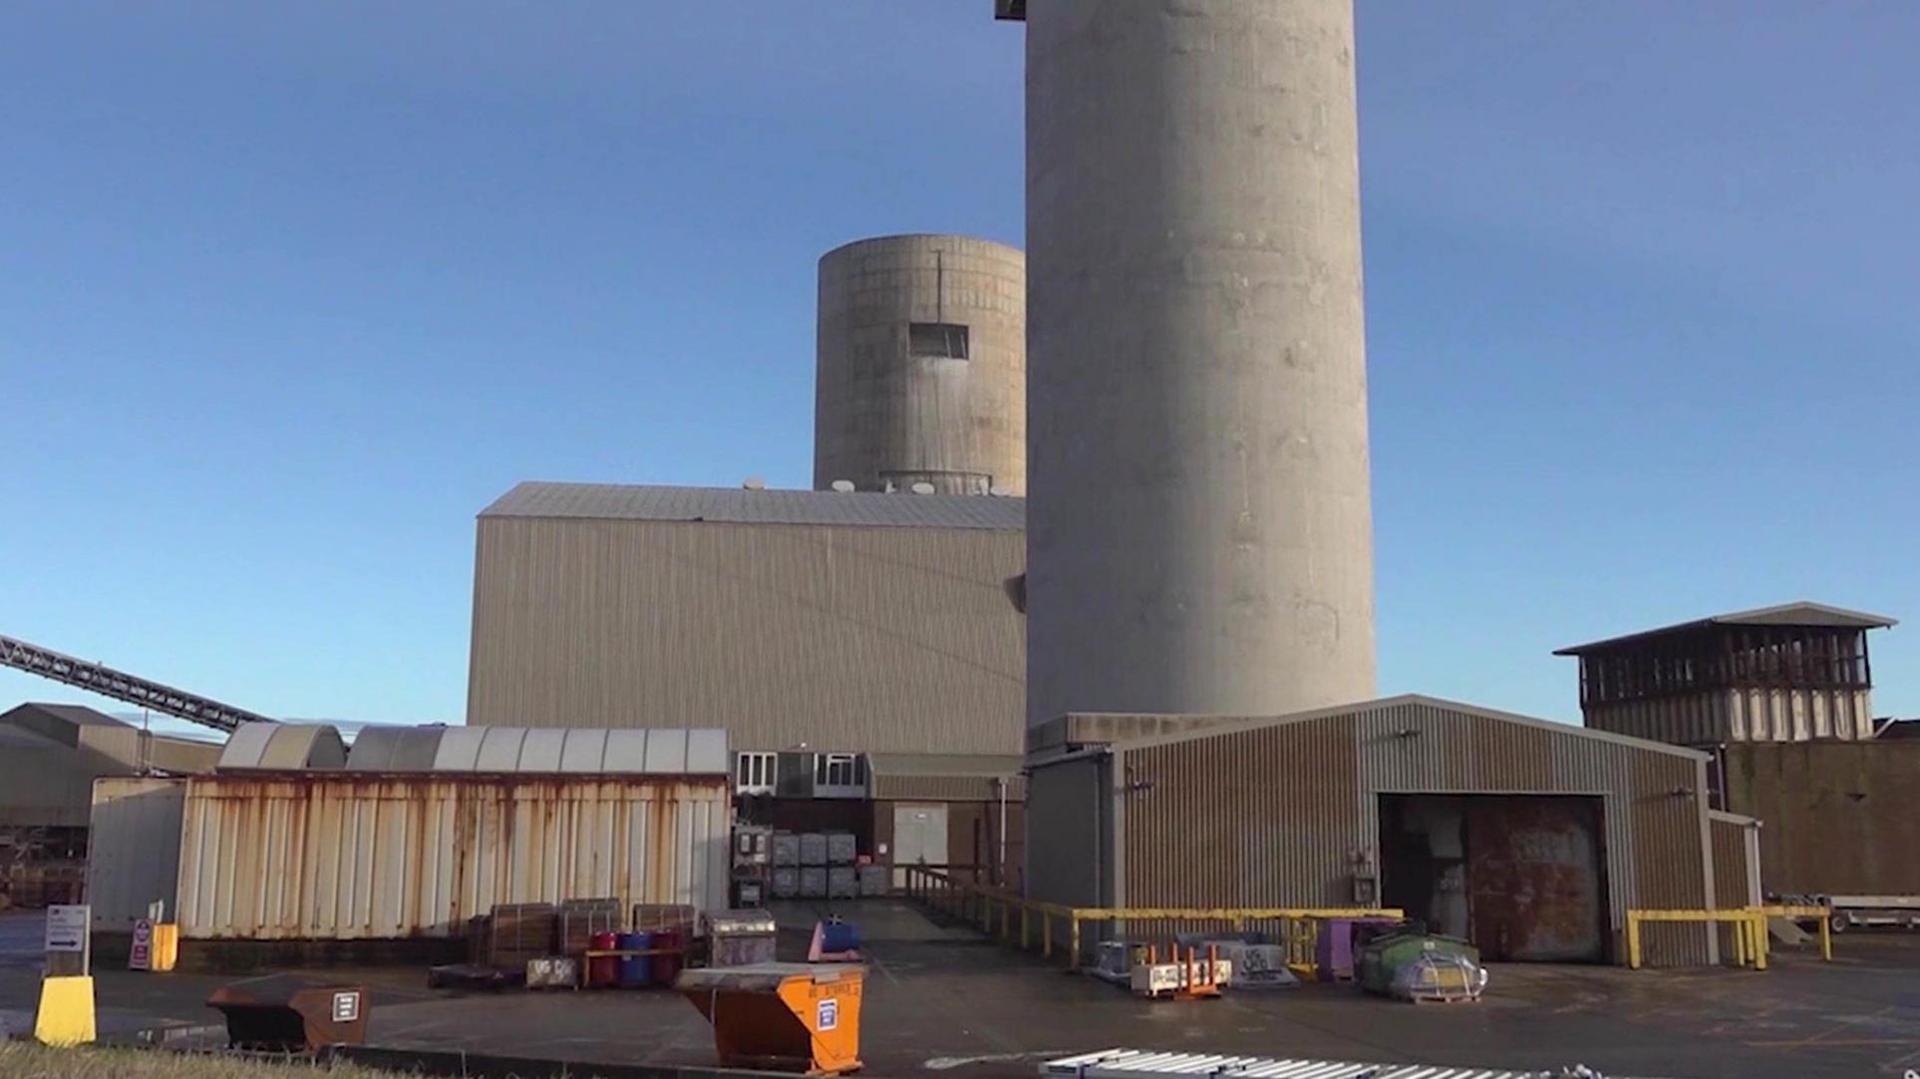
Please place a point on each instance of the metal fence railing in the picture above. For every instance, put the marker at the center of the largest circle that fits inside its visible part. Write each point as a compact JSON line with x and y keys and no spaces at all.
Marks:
{"x":1027,"y":923}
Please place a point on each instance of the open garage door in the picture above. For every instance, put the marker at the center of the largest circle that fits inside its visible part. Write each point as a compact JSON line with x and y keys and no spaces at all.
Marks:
{"x":1521,"y":876}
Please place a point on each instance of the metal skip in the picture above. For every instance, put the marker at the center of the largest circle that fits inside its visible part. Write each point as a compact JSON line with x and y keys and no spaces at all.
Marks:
{"x":784,"y":1016}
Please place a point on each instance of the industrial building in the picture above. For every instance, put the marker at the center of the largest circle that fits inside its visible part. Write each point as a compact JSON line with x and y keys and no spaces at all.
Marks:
{"x":50,"y":754}
{"x":922,"y":366}
{"x":1781,"y":698}
{"x":1199,"y":523}
{"x":1796,"y":672}
{"x":863,"y":651}
{"x":417,"y":831}
{"x":1529,"y":838}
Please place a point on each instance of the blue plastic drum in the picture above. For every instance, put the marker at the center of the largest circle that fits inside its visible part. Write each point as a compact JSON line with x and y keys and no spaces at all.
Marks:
{"x":636,"y":971}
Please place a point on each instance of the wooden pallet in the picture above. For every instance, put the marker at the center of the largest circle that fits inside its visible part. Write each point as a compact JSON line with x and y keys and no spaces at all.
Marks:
{"x":1441,"y":998}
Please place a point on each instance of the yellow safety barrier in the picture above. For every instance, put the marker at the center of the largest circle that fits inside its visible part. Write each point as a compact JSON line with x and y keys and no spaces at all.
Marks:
{"x":1751,"y":946}
{"x":1823,"y":914}
{"x":993,"y":909}
{"x":1748,"y":927}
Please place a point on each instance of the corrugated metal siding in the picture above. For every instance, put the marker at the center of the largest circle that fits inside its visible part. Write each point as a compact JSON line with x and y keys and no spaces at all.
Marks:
{"x":1270,"y":815}
{"x":1731,"y":880}
{"x":1691,"y":719}
{"x":934,"y":788}
{"x":1799,"y":715}
{"x":1838,"y":818}
{"x":1259,"y":818}
{"x":133,"y":848}
{"x":44,"y":783}
{"x":862,"y":639}
{"x":328,"y":857}
{"x":1741,"y":715}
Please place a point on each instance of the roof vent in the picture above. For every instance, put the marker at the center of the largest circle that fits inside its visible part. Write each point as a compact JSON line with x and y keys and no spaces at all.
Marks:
{"x":845,"y":487}
{"x":754,"y":483}
{"x":922,"y":488}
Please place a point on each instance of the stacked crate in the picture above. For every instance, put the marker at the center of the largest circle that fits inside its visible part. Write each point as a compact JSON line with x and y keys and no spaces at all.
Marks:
{"x":813,"y":865}
{"x":580,"y":919}
{"x":785,"y":879}
{"x":517,"y":933}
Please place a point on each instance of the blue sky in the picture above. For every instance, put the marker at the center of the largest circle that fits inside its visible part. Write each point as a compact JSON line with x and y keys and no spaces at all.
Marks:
{"x":289,"y":292}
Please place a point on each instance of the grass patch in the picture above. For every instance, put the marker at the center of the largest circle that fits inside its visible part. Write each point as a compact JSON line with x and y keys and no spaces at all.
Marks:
{"x":25,"y":1060}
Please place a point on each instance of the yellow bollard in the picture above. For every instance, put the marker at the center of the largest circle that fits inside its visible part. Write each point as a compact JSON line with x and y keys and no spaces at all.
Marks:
{"x":1073,"y":944}
{"x":1633,"y":941}
{"x":1826,"y":936}
{"x":1046,"y":936}
{"x":65,"y":1018}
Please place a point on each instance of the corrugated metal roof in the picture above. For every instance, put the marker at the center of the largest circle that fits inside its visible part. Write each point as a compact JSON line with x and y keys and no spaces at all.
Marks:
{"x":557,"y":751}
{"x":617,"y":502}
{"x":1085,"y":725}
{"x":1803,"y":613}
{"x":78,"y":715}
{"x":283,"y":747}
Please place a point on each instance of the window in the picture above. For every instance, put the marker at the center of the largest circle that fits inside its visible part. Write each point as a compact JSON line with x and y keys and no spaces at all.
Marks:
{"x":754,"y":773}
{"x":937,"y":340}
{"x":839,"y":770}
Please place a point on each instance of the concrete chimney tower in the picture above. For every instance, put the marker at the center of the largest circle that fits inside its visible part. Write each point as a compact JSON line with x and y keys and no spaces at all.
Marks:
{"x":1199,"y":533}
{"x":922,"y":366}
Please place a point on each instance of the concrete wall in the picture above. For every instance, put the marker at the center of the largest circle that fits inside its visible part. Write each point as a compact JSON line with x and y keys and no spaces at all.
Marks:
{"x":1839,"y":818}
{"x":844,"y":638}
{"x":1199,"y":527}
{"x":885,"y":415}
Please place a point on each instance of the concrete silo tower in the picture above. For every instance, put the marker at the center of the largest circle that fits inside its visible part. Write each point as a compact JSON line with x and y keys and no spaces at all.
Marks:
{"x":1198,"y":518}
{"x":922,"y":366}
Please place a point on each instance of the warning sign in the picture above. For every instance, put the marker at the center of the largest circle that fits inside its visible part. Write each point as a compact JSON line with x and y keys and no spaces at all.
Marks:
{"x":346,"y":1007}
{"x":140,"y":956}
{"x":827,"y":1014}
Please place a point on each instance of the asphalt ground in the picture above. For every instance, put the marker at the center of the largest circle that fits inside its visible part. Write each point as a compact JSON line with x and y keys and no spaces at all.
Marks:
{"x":940,"y":1000}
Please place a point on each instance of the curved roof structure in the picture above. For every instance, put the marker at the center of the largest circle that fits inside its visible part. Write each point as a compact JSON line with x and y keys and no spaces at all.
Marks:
{"x":540,"y":750}
{"x":281,"y":747}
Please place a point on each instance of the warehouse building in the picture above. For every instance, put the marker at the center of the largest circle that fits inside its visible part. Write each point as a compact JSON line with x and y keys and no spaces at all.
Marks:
{"x":50,"y":754}
{"x":1530,"y":838}
{"x":1781,"y":699}
{"x":419,"y":830}
{"x":863,"y":651}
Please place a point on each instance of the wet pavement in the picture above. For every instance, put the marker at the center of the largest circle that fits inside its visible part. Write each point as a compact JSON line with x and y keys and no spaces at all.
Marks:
{"x":941,"y":1000}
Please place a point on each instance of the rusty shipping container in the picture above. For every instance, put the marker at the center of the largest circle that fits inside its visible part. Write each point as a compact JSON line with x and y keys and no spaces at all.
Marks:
{"x":341,"y":856}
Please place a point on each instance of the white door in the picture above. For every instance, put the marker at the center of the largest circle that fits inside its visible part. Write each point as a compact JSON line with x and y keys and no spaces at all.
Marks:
{"x":919,"y":838}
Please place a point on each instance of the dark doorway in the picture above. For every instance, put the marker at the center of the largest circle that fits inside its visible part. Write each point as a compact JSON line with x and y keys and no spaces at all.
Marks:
{"x":1522,"y":876}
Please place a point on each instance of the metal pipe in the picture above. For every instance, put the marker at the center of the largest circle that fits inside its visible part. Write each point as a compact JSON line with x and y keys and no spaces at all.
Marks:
{"x":1000,"y":864}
